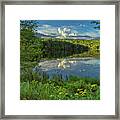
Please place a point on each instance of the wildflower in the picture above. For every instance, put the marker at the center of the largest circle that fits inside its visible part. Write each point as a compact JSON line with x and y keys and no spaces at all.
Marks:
{"x":76,"y":94}
{"x":51,"y":95}
{"x":60,"y":93}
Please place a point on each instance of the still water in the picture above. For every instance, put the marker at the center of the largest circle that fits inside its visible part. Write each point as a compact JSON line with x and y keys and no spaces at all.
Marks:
{"x":83,"y":67}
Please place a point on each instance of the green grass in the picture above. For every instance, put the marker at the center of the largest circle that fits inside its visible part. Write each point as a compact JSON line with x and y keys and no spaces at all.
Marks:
{"x":56,"y":88}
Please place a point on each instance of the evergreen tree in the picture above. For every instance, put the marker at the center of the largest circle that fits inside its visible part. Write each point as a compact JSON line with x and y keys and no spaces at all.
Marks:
{"x":27,"y":29}
{"x":97,"y":23}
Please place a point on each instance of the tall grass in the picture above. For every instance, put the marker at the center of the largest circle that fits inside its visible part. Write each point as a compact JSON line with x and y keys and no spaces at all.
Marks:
{"x":41,"y":87}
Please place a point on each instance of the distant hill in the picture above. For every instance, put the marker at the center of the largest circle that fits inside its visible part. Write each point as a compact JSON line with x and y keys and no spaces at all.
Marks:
{"x":40,"y":35}
{"x":86,"y":37}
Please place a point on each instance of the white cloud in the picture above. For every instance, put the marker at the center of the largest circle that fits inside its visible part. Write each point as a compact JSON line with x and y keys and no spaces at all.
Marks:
{"x":65,"y":31}
{"x":92,"y":34}
{"x":59,"y":30}
{"x":73,"y":34}
{"x":46,"y":26}
{"x":47,"y":29}
{"x":82,"y":25}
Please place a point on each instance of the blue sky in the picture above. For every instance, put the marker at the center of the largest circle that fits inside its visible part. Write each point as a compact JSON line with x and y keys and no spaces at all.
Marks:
{"x":71,"y":27}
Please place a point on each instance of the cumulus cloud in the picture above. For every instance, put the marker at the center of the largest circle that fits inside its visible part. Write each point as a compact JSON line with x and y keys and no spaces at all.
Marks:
{"x":73,"y":34}
{"x":67,"y":31}
{"x":46,"y":26}
{"x":47,"y":29}
{"x":62,"y":32}
{"x":82,"y":25}
{"x":92,"y":34}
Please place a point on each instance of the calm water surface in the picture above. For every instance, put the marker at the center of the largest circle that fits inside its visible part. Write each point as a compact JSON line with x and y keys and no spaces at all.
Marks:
{"x":83,"y":67}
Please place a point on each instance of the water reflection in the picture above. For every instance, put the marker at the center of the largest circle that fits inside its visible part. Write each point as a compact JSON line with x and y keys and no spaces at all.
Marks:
{"x":83,"y":67}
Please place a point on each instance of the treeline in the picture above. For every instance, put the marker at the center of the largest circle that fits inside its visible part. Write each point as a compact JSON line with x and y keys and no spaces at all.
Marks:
{"x":37,"y":49}
{"x":61,"y":49}
{"x":93,"y":45}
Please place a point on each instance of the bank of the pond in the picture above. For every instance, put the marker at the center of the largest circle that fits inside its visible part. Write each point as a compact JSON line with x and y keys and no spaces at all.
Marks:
{"x":74,"y":88}
{"x":36,"y":86}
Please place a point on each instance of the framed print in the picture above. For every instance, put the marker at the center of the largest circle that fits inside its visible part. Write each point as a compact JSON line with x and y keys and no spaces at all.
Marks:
{"x":59,"y":59}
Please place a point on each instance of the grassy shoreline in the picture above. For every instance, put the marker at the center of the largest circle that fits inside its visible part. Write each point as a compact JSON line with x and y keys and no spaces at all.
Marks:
{"x":75,"y":88}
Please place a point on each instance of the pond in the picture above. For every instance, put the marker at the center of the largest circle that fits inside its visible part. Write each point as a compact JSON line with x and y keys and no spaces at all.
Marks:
{"x":82,"y":67}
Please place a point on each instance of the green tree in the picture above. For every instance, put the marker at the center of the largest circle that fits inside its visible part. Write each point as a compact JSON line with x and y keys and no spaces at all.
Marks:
{"x":27,"y":29}
{"x":97,"y":24}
